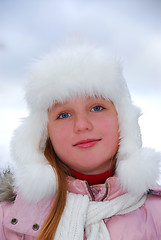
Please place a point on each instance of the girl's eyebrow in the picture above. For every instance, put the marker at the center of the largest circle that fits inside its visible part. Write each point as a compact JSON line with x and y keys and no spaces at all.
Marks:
{"x":58,"y":104}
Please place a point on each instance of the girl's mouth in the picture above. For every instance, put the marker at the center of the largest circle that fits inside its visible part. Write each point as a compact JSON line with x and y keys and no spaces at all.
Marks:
{"x":87,"y":143}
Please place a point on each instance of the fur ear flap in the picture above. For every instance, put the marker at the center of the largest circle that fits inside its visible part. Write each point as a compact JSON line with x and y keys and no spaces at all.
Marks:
{"x":6,"y":187}
{"x":140,"y":171}
{"x":34,"y":176}
{"x":28,"y":139}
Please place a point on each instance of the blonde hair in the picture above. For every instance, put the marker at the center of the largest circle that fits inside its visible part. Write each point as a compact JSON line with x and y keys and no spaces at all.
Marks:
{"x":49,"y":228}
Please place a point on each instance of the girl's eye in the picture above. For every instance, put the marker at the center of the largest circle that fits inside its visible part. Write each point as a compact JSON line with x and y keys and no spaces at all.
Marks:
{"x":96,"y":109}
{"x":64,"y":115}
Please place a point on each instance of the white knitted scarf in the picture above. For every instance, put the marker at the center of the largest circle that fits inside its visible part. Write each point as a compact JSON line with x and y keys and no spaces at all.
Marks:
{"x":81,"y":215}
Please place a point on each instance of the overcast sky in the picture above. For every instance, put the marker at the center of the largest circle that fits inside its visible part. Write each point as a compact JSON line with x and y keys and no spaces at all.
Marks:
{"x":130,"y":29}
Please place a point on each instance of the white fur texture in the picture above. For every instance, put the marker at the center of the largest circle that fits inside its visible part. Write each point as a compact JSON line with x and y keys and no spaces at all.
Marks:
{"x":140,"y":171}
{"x":70,"y":72}
{"x":36,"y":181}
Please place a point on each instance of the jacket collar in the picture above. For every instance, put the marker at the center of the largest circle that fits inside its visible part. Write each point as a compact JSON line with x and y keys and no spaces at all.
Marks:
{"x":100,"y":192}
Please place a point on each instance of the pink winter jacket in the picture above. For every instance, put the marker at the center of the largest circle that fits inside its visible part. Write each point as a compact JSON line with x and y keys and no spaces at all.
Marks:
{"x":21,"y":220}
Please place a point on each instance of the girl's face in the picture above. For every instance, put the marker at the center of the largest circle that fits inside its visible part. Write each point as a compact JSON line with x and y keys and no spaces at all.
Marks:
{"x":84,"y":133}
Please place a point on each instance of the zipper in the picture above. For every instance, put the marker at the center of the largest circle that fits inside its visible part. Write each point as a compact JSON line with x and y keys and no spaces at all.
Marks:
{"x":90,"y":191}
{"x":105,"y":192}
{"x":92,"y":195}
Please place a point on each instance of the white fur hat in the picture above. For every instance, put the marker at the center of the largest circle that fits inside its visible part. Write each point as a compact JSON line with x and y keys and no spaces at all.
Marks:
{"x":71,"y":71}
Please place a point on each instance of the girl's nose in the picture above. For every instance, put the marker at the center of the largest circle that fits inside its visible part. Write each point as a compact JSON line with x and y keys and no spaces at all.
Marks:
{"x":82,"y":123}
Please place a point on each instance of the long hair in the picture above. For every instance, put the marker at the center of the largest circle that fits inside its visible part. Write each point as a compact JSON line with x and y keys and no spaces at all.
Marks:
{"x":49,"y":228}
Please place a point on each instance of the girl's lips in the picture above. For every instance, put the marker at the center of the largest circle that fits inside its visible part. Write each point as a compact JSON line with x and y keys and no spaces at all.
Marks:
{"x":87,"y":143}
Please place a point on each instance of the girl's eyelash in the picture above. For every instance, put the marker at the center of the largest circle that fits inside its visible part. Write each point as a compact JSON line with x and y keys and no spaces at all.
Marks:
{"x":97,"y":108}
{"x":63,"y":115}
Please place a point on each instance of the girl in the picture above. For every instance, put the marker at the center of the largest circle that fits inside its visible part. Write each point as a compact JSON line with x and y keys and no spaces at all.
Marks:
{"x":81,"y":171}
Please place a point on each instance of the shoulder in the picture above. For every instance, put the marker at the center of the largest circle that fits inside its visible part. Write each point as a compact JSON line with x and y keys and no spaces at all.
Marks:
{"x":25,"y":217}
{"x":153,"y":204}
{"x":16,"y":214}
